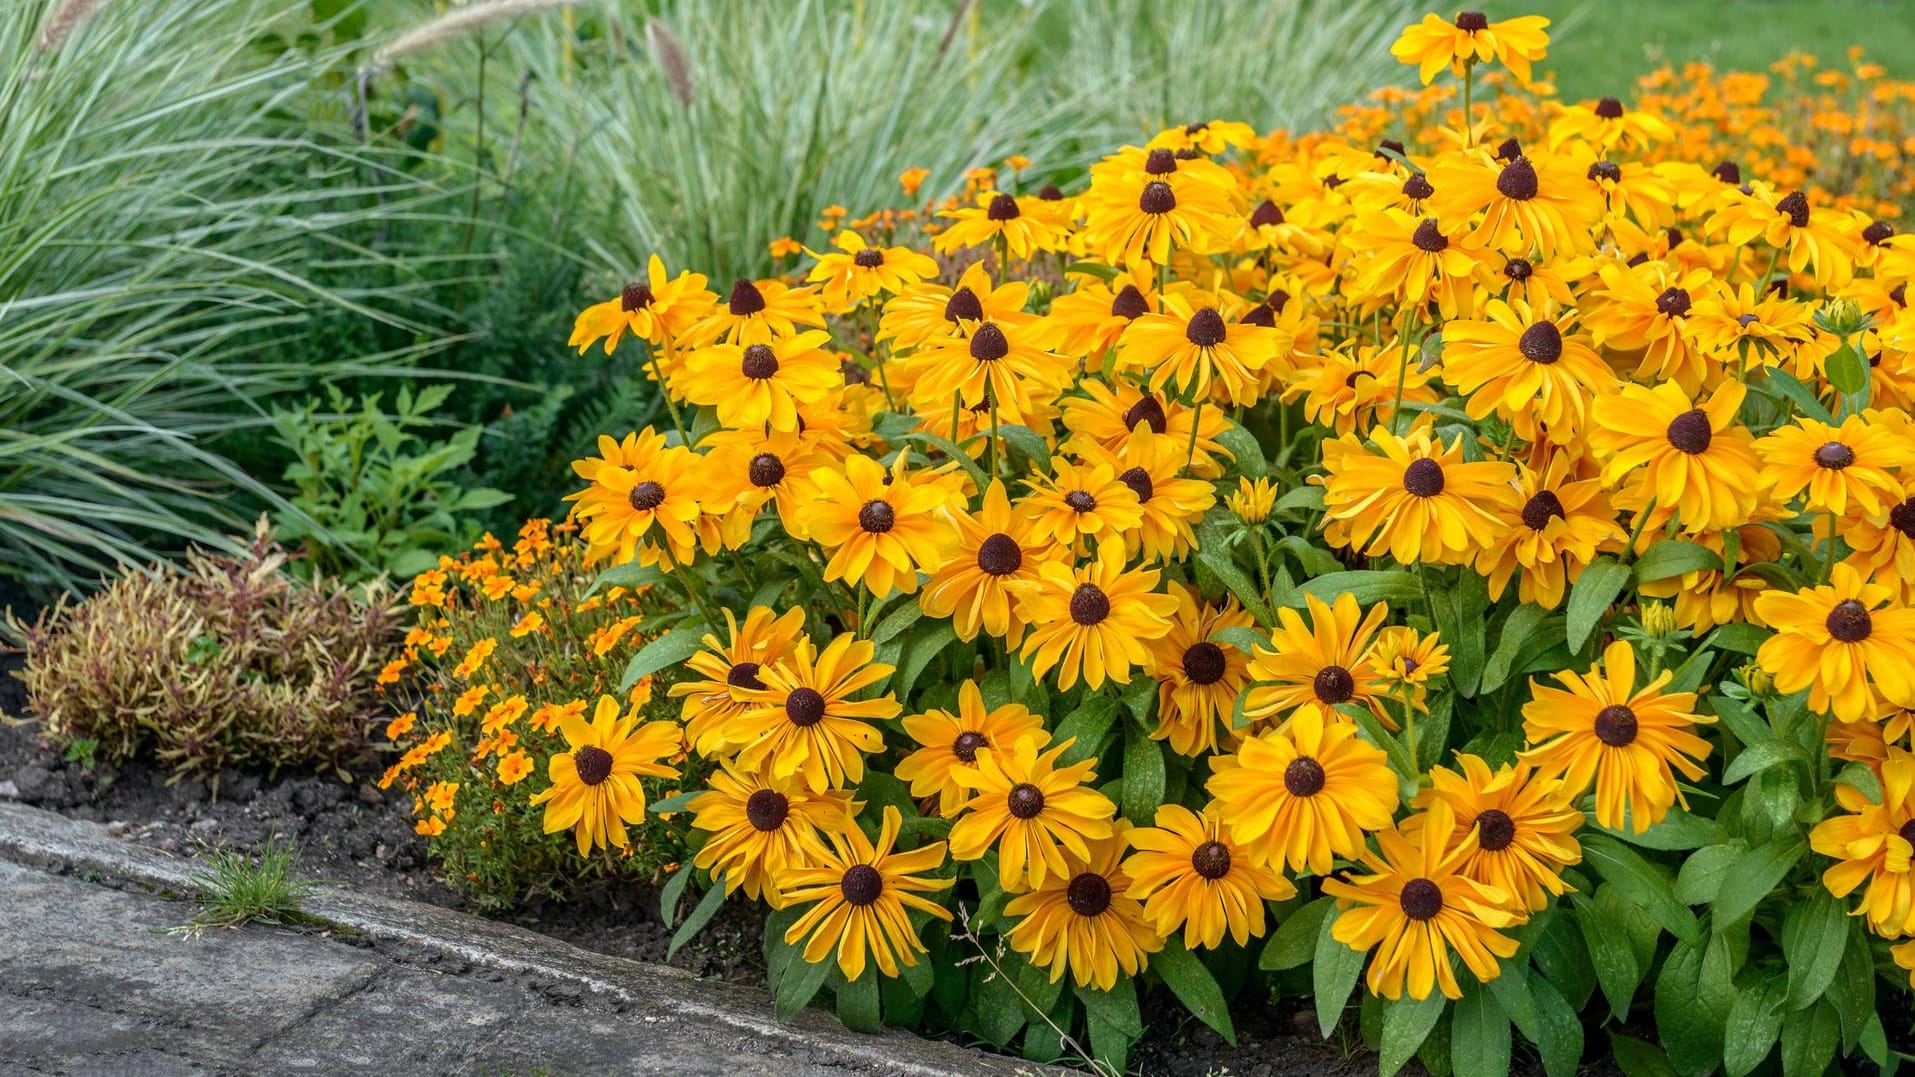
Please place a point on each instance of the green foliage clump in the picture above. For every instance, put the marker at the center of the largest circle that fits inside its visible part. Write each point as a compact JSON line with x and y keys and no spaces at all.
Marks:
{"x":224,"y":661}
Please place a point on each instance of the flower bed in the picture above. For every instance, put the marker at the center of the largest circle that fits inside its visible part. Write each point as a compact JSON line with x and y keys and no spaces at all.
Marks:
{"x":1467,"y":551}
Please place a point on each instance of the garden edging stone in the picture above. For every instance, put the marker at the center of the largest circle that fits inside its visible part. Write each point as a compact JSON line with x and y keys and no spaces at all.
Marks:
{"x":31,"y":836}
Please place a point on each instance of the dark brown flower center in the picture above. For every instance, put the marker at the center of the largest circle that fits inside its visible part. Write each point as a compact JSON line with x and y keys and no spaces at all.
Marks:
{"x":1080,"y":501}
{"x":869,"y":258}
{"x":1160,"y":163}
{"x":767,"y":809}
{"x":1304,"y":777}
{"x":1150,"y":412}
{"x":1690,"y":431}
{"x":1421,"y":899}
{"x":1472,"y":21}
{"x":1088,"y":894}
{"x":1495,"y":830}
{"x":1517,"y":180}
{"x":1204,"y":663}
{"x":760,"y":362}
{"x":1605,"y":170}
{"x":805,"y":707}
{"x":1266,"y":213}
{"x":1907,"y":832}
{"x":1262,"y":315}
{"x":594,"y":764}
{"x":1508,"y":150}
{"x":1051,"y":192}
{"x":1616,"y":726}
{"x":1423,"y":478}
{"x":1849,"y":621}
{"x":1609,"y":108}
{"x":1003,"y":208}
{"x":1139,"y":482}
{"x":1541,"y":343}
{"x":862,"y":884}
{"x":1211,"y":860}
{"x":1333,"y":685}
{"x":1902,"y":518}
{"x":1387,"y":147}
{"x":999,"y":555}
{"x":1728,"y":172}
{"x":1878,"y":233}
{"x":1673,"y":236}
{"x":1206,"y":328}
{"x":967,"y":743}
{"x":1024,"y":801}
{"x":877,"y":517}
{"x":1795,"y":206}
{"x":1519,"y":269}
{"x":1128,"y":303}
{"x":1417,"y":188}
{"x":963,"y":304}
{"x":1835,"y":456}
{"x":988,"y":343}
{"x":646,"y":496}
{"x":1157,"y":199}
{"x":766,"y":470}
{"x":635,"y":297}
{"x":744,"y":675}
{"x":1429,"y":238}
{"x":1673,"y":302}
{"x":1539,"y":510}
{"x":1089,"y":605}
{"x":745,"y":298}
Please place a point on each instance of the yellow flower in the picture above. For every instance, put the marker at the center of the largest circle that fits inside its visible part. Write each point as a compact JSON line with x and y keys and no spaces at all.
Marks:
{"x":655,"y":309}
{"x":595,"y":788}
{"x":952,"y":741}
{"x":1432,"y":45}
{"x":1304,"y":793}
{"x":761,"y":385}
{"x":1254,"y":500}
{"x":862,"y":891}
{"x":882,"y":528}
{"x":1095,"y":620}
{"x":475,"y":657}
{"x":1191,"y":345}
{"x":1525,"y":826}
{"x":1040,"y":816}
{"x":636,"y":484}
{"x":1873,"y":844}
{"x":997,"y":217}
{"x":1845,"y":641}
{"x":911,"y":179}
{"x":1189,"y":873}
{"x":804,"y":720}
{"x":401,"y":725}
{"x":764,"y":828}
{"x":860,"y":271}
{"x":1081,"y":502}
{"x":1524,"y":368}
{"x":470,"y":699}
{"x":532,"y":622}
{"x":514,"y":767}
{"x":1199,"y":679}
{"x":730,"y":664}
{"x":1696,"y":463}
{"x":1084,"y":920}
{"x":996,"y":548}
{"x":1326,"y":661}
{"x":1836,"y":466}
{"x":1412,"y":497}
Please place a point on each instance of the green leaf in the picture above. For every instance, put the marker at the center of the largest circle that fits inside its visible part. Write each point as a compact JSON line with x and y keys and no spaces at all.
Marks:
{"x":1809,"y":1038}
{"x":1393,"y":749}
{"x":1610,"y":952}
{"x":631,"y":574}
{"x":1143,"y":776}
{"x":1647,"y":888}
{"x":1853,"y":991}
{"x":1242,"y":445}
{"x":1748,"y":727}
{"x":677,"y":802}
{"x":858,"y":1003}
{"x":1559,"y":1036}
{"x":1847,"y":371}
{"x":1638,"y":1059}
{"x":1301,"y":497}
{"x":1295,"y":940}
{"x":1700,"y":879}
{"x":1114,"y":1021}
{"x":1694,"y":993}
{"x":1194,"y":986}
{"x":1748,"y":1034}
{"x":800,"y":985}
{"x":1479,"y":1033}
{"x":1589,"y":600}
{"x":1087,"y":726}
{"x":1333,"y":975}
{"x":1246,"y":640}
{"x":1367,"y":585}
{"x":1801,"y":395}
{"x":1751,"y":878}
{"x":918,"y":653}
{"x":1675,"y":557}
{"x":1224,"y":567}
{"x":951,"y":450}
{"x":1027,"y":443}
{"x":707,"y":908}
{"x":1000,"y":1012}
{"x":1520,"y":628}
{"x":667,"y":650}
{"x":1460,"y":610}
{"x":1678,"y":830}
{"x":673,"y":892}
{"x":1513,"y":994}
{"x":1406,"y":1022}
{"x":896,"y":621}
{"x":1814,"y":940}
{"x":1740,"y":638}
{"x":1761,"y":756}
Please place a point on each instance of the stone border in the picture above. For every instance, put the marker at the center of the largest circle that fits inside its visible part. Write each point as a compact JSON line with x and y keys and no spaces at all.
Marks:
{"x":41,"y":838}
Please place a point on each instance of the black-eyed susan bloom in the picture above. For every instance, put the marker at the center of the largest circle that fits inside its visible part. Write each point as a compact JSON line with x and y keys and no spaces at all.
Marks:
{"x":1883,"y":543}
{"x":1471,"y":38}
{"x":997,"y":547}
{"x":1305,"y":793}
{"x":1872,"y":845}
{"x":861,"y":894}
{"x":999,"y":218}
{"x":758,"y":312}
{"x":1845,"y":641}
{"x":805,"y":719}
{"x":1696,"y":462}
{"x":1039,"y":816}
{"x":949,"y":741}
{"x":1135,"y":215}
{"x":1192,"y":347}
{"x":1190,"y":874}
{"x":656,"y":310}
{"x":1109,"y":415}
{"x":1415,"y":907}
{"x":760,"y":830}
{"x":1526,"y":368}
{"x":882,"y":528}
{"x":857,"y":272}
{"x":1412,"y":497}
{"x":1081,"y":504}
{"x":1198,"y":677}
{"x":1095,"y":621}
{"x":1541,"y":204}
{"x":1170,"y":502}
{"x":637,"y":484}
{"x":596,"y":789}
{"x":1525,"y":826}
{"x":1600,"y":730}
{"x":1413,"y":261}
{"x":745,"y":469}
{"x":1324,"y":660}
{"x":762,"y":385}
{"x":730,"y":664}
{"x":1856,"y":463}
{"x":1551,"y":532}
{"x":1084,"y":921}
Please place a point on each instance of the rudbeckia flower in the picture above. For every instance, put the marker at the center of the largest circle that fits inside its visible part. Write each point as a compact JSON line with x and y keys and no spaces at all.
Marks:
{"x":857,"y":271}
{"x":1416,"y":906}
{"x":1836,"y":466}
{"x":1109,"y":415}
{"x":731,"y":663}
{"x":1697,"y":462}
{"x":998,"y":218}
{"x":882,"y":528}
{"x":1171,"y":504}
{"x":1845,"y":642}
{"x":1525,"y":826}
{"x":1191,"y":346}
{"x":656,"y":310}
{"x":636,"y":484}
{"x":1412,"y":497}
{"x":1303,"y":794}
{"x":1530,"y":369}
{"x":747,"y":468}
{"x":1095,"y":620}
{"x":1190,"y":874}
{"x":862,"y":892}
{"x":1325,"y":660}
{"x":1884,"y":542}
{"x":760,"y":386}
{"x":1872,"y":844}
{"x":1822,"y":242}
{"x":951,"y":741}
{"x":758,"y":312}
{"x":1134,"y":216}
{"x":1411,"y":261}
{"x":804,"y":720}
{"x":1084,"y":921}
{"x":1433,"y":44}
{"x":595,"y":788}
{"x":1599,"y":729}
{"x":1527,"y":205}
{"x":1552,"y":532}
{"x":1198,"y":679}
{"x":1040,"y":817}
{"x":929,"y":311}
{"x":1081,"y":503}
{"x":996,"y":548}
{"x":760,"y":829}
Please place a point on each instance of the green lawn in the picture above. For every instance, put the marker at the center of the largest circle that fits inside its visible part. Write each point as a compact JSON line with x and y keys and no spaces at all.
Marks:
{"x":1599,"y":47}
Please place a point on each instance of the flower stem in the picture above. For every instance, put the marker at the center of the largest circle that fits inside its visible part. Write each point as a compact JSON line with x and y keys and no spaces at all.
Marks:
{"x":658,"y":375}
